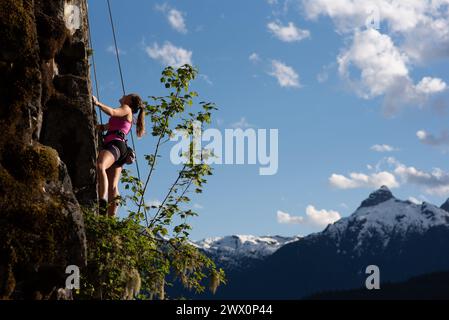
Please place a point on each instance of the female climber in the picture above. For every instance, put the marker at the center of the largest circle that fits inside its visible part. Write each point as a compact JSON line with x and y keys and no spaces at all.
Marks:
{"x":113,"y":154}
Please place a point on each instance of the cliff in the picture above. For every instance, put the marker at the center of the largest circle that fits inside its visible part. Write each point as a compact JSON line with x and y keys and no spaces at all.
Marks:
{"x":48,"y":144}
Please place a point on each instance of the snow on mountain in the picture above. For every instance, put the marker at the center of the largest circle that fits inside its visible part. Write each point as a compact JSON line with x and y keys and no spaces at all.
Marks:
{"x":402,"y":238}
{"x":382,"y":216}
{"x":235,"y":250}
{"x":379,"y":219}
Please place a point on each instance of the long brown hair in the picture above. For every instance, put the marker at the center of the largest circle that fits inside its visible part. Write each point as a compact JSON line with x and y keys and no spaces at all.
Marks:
{"x":137,"y":106}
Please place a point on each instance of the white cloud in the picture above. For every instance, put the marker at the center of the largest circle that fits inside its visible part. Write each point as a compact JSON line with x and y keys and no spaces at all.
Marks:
{"x":286,"y":76}
{"x":417,"y":32}
{"x":321,"y":217}
{"x":430,"y":85}
{"x":286,"y":218}
{"x":176,"y":20}
{"x":384,"y":71}
{"x":242,"y":124}
{"x":435,"y":182}
{"x":169,"y":54}
{"x":382,"y":66}
{"x":401,"y":16}
{"x":254,"y":57}
{"x":423,"y":26}
{"x":289,"y":33}
{"x":383,"y":148}
{"x":313,"y":217}
{"x":111,"y":49}
{"x":422,"y":135}
{"x":361,"y":180}
{"x":430,"y":139}
{"x":174,"y":17}
{"x":415,"y":200}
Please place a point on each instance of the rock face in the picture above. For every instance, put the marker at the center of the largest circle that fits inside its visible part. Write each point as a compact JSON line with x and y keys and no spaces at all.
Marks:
{"x":68,"y":115}
{"x":47,"y":146}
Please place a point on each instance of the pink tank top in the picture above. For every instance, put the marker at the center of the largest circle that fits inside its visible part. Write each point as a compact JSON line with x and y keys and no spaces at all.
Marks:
{"x":115,"y":124}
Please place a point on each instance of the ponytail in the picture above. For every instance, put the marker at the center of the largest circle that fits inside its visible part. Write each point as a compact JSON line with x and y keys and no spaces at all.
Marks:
{"x":137,"y":106}
{"x":140,"y":126}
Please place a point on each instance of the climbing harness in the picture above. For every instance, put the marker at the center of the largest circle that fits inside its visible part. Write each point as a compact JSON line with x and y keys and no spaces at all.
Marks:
{"x":118,"y":133}
{"x":130,"y":157}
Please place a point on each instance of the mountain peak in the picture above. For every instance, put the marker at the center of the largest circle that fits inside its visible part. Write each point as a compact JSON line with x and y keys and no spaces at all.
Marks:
{"x":381,"y":195}
{"x":445,"y":206}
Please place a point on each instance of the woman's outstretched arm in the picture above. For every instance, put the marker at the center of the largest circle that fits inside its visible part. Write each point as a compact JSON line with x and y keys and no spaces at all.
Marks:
{"x":122,"y":111}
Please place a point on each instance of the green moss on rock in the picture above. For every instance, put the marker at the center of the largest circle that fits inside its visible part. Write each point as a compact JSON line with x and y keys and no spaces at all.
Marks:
{"x":20,"y":87}
{"x":41,"y":163}
{"x":41,"y":223}
{"x":33,"y":164}
{"x":16,"y":25}
{"x":35,"y":225}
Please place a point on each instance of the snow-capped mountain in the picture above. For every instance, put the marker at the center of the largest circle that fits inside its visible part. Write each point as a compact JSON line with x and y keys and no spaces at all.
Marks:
{"x":382,"y":218}
{"x":402,"y":238}
{"x":241,"y":250}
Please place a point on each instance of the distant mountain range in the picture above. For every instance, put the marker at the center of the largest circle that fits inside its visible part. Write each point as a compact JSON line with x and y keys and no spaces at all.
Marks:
{"x":402,"y":238}
{"x":241,"y":251}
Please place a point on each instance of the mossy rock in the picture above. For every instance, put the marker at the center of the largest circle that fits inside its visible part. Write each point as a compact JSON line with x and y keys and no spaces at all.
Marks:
{"x":20,"y":86}
{"x":16,"y":26}
{"x":37,"y":228}
{"x":33,"y":164}
{"x":51,"y":29}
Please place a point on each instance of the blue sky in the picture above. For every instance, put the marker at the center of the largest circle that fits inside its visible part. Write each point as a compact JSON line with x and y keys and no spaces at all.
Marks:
{"x":311,"y":69}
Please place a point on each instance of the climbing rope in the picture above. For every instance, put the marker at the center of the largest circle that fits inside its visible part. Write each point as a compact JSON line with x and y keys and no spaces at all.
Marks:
{"x":121,"y":75}
{"x":116,"y":47}
{"x":94,"y":66}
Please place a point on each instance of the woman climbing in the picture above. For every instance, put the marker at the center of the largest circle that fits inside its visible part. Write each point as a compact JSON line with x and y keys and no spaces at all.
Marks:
{"x":113,"y":154}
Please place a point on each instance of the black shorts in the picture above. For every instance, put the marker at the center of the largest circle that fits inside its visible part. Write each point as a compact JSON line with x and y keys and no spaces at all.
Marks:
{"x":119,"y":150}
